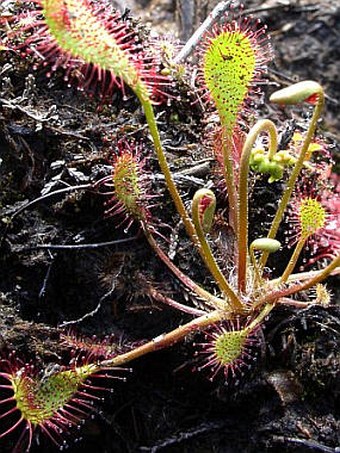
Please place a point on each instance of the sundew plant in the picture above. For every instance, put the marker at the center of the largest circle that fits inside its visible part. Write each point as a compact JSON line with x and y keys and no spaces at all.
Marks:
{"x":99,"y":51}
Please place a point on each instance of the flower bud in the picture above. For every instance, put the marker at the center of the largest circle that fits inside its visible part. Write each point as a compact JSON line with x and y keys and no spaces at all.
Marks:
{"x":305,"y":91}
{"x":266,"y":245}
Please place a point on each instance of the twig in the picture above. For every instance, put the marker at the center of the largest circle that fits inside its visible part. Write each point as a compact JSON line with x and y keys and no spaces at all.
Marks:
{"x":293,"y":8}
{"x":41,"y":119}
{"x":42,"y":291}
{"x":93,"y":312}
{"x":310,"y":444}
{"x":182,"y":437}
{"x":78,"y":246}
{"x":36,"y":200}
{"x":213,"y":17}
{"x":11,"y":105}
{"x":48,"y":195}
{"x":90,"y":314}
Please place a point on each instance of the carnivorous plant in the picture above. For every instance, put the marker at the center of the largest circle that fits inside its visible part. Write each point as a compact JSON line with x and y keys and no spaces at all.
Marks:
{"x":90,"y":43}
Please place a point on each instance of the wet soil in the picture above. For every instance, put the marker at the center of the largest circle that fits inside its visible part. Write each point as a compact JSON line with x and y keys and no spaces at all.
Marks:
{"x":52,"y":136}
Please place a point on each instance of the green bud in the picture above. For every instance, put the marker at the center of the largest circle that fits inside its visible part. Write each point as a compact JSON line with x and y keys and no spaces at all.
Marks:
{"x":297,"y":93}
{"x":266,"y":245}
{"x":264,"y":165}
{"x":205,"y":202}
{"x":275,"y":170}
{"x":258,"y":158}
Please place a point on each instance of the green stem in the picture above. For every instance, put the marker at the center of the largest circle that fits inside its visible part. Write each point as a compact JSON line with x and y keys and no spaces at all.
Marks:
{"x":295,"y":173}
{"x":208,"y":298}
{"x":263,"y":244}
{"x":292,"y":262}
{"x":165,"y":340}
{"x":257,"y":275}
{"x":229,"y":177}
{"x":220,"y":279}
{"x":302,"y":276}
{"x":319,"y":277}
{"x":210,"y":261}
{"x":151,"y":120}
{"x":156,"y":295}
{"x":242,"y":237}
{"x":265,"y":312}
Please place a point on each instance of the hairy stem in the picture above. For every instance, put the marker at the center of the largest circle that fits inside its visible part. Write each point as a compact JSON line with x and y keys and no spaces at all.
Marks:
{"x":210,"y":261}
{"x":242,"y":236}
{"x":302,"y":276}
{"x":207,"y":297}
{"x":292,"y":262}
{"x":165,"y":340}
{"x":229,"y":177}
{"x":203,"y":247}
{"x":265,"y":312}
{"x":151,"y":120}
{"x":295,"y":173}
{"x":317,"y":278}
{"x":174,"y":304}
{"x":257,"y":276}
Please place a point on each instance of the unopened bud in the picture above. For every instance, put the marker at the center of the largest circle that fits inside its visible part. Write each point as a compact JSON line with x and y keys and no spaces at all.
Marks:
{"x":266,"y":245}
{"x":306,"y":91}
